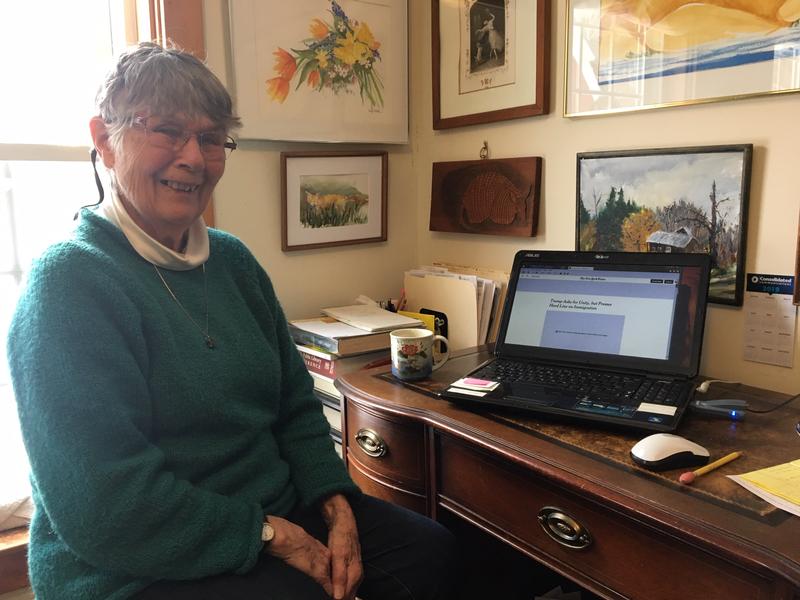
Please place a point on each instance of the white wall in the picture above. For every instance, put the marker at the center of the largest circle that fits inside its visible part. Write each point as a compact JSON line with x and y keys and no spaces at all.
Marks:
{"x":249,"y":195}
{"x":247,"y":204}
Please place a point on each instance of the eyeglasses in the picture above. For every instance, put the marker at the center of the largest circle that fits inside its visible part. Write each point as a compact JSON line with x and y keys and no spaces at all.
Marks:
{"x":214,"y":145}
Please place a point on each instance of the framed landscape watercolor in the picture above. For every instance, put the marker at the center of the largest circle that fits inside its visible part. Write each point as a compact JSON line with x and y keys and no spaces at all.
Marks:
{"x":626,"y":55}
{"x":669,"y":200}
{"x":321,"y":70}
{"x":333,"y":198}
{"x":490,"y":60}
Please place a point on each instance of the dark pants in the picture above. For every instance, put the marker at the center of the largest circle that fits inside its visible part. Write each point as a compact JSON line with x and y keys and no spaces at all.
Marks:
{"x":405,"y":557}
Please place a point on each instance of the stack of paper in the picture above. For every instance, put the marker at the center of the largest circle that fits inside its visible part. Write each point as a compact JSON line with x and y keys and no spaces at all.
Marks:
{"x":470,"y":301}
{"x":498,"y":295}
{"x":779,"y":485}
{"x":370,"y":317}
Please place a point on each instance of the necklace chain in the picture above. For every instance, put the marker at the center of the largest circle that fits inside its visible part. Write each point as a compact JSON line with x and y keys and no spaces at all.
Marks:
{"x":205,"y":332}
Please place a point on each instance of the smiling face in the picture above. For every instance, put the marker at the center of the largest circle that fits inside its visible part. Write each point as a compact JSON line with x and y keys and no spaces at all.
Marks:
{"x":164,"y":189}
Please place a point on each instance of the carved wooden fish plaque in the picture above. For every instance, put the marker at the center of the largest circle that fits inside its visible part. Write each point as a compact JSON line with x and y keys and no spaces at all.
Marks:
{"x":494,"y":197}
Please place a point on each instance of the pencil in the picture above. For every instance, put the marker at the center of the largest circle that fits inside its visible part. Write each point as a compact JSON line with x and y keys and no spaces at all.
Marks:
{"x":690,"y":476}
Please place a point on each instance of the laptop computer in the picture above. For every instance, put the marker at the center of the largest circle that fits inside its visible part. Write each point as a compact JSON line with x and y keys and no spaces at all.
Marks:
{"x":606,"y":337}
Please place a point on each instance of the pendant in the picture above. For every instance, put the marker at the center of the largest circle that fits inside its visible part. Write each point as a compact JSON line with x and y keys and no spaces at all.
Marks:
{"x":210,"y":342}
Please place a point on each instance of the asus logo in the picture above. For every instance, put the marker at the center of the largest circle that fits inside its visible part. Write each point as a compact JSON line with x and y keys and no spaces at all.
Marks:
{"x":602,"y":256}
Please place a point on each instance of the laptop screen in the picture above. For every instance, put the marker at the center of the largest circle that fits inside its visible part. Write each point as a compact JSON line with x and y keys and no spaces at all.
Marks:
{"x":628,"y":310}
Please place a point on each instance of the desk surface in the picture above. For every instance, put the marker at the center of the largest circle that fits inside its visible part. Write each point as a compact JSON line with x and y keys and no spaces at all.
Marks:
{"x":714,"y":514}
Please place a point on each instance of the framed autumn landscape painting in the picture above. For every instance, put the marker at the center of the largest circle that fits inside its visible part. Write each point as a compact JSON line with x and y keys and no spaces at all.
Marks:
{"x":321,"y":70}
{"x":669,"y":200}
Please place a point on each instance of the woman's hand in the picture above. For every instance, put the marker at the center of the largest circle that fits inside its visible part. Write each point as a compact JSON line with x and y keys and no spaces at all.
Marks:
{"x":344,"y":547}
{"x":296,"y":548}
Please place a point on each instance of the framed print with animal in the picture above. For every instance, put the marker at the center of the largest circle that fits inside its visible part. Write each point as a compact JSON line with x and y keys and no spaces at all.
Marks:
{"x":321,"y":70}
{"x":491,"y":197}
{"x":624,"y":55}
{"x":333,"y":198}
{"x":491,"y":60}
{"x":669,"y":200}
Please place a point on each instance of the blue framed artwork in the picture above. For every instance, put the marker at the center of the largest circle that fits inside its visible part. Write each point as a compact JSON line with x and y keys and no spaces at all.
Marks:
{"x":626,"y":55}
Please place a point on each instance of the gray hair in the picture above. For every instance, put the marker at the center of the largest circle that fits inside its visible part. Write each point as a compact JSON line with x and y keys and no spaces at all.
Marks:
{"x":164,"y":82}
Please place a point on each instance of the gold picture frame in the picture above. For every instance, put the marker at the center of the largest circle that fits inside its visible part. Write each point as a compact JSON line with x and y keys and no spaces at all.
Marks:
{"x":626,"y":57}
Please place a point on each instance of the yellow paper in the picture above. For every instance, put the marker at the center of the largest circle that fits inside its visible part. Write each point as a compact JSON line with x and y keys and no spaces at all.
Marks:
{"x":781,"y":480}
{"x":428,"y":320}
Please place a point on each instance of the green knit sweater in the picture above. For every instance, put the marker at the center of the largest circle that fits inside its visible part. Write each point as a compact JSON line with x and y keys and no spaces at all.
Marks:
{"x":152,"y":456}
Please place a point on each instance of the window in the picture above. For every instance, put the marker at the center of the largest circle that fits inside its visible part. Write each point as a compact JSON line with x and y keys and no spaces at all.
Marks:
{"x":44,"y":148}
{"x":37,"y":202}
{"x":52,"y":56}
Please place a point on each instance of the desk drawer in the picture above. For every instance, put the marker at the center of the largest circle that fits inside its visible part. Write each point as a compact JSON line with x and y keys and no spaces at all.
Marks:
{"x":390,"y":446}
{"x":374,"y":486}
{"x":624,"y":555}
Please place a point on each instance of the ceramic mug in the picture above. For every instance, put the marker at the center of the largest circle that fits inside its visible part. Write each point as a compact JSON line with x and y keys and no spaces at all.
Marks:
{"x":412,"y":353}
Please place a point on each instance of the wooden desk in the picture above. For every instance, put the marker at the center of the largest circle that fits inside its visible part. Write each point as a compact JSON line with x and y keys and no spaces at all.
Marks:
{"x":646,"y":537}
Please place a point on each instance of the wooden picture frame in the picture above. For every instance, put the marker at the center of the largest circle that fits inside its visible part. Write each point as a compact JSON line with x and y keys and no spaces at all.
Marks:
{"x":491,"y":60}
{"x":626,"y":56}
{"x":490,"y":197}
{"x":333,"y":199}
{"x":321,"y":70}
{"x":669,"y":200}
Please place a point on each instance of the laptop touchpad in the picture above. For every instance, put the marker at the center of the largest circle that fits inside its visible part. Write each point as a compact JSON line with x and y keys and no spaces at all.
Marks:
{"x":535,"y":394}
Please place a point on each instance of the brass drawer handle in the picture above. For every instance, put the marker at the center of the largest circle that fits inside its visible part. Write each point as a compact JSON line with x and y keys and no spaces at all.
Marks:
{"x":371,"y":443}
{"x":564,"y":529}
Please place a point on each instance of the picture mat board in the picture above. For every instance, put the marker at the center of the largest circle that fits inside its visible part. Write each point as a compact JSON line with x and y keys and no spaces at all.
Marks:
{"x":583,"y":95}
{"x":367,"y":168}
{"x":258,"y":28}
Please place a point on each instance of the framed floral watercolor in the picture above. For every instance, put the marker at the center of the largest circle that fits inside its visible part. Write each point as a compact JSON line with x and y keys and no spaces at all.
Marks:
{"x":490,"y":60}
{"x":670,"y":200}
{"x":333,"y":198}
{"x":624,"y":55}
{"x":321,"y":70}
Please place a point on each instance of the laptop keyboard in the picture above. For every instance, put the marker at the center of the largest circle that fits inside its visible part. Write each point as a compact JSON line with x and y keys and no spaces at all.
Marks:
{"x":595,"y":391}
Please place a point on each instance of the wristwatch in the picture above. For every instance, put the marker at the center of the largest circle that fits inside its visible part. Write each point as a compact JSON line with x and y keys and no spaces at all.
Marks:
{"x":267,"y":532}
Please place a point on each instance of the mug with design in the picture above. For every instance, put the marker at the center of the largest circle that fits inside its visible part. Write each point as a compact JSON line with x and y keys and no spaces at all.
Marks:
{"x":412,"y":353}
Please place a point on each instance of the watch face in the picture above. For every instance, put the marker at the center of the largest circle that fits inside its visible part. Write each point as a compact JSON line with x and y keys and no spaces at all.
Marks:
{"x":267,"y":532}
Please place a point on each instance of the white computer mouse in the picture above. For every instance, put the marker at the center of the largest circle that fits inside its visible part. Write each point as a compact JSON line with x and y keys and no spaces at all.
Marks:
{"x":663,"y":451}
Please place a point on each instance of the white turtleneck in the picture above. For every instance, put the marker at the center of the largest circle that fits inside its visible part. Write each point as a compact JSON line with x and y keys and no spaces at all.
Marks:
{"x":152,"y":250}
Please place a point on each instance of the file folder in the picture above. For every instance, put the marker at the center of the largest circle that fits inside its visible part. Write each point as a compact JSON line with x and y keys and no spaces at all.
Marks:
{"x":454,"y":297}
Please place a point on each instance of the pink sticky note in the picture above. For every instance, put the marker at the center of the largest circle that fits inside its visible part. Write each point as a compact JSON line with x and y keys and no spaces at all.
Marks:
{"x":474,"y":381}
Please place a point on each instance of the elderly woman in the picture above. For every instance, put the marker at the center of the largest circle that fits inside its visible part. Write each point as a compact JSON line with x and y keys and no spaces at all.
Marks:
{"x":177,"y":449}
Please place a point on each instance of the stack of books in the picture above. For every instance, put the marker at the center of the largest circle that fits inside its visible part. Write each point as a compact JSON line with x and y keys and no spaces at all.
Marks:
{"x":346,"y":339}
